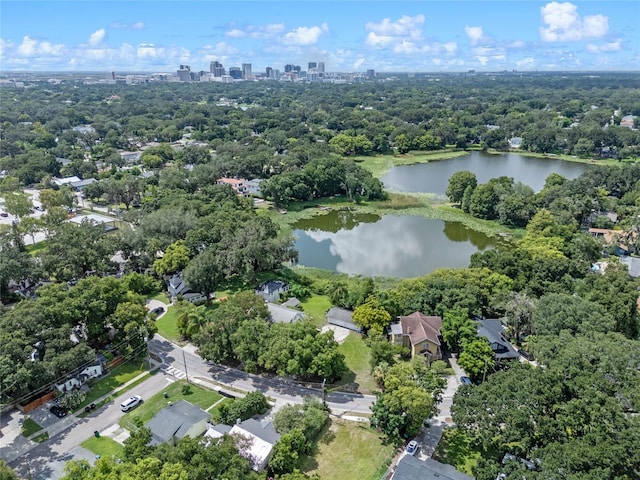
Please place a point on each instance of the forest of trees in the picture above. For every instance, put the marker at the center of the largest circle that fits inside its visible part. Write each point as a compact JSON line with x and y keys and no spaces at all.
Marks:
{"x":575,"y":413}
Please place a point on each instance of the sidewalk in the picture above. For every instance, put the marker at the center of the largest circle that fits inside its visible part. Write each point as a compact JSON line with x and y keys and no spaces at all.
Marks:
{"x":21,"y":445}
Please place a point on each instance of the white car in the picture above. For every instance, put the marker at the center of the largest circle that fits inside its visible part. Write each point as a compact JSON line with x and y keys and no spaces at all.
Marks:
{"x":131,"y":403}
{"x":412,"y":447}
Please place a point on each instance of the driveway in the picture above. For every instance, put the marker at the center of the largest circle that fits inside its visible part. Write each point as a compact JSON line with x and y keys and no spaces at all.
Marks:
{"x":430,"y":436}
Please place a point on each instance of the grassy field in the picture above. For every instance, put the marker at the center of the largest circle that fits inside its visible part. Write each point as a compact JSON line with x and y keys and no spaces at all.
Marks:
{"x":103,"y":446}
{"x":455,"y":449}
{"x":316,"y":307}
{"x":167,"y":325}
{"x":29,"y":427}
{"x":356,"y":354}
{"x":199,"y":396}
{"x":118,"y":376}
{"x":349,"y":451}
{"x":379,"y":165}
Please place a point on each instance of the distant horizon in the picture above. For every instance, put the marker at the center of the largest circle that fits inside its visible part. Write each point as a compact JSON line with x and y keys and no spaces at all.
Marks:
{"x":348,"y":36}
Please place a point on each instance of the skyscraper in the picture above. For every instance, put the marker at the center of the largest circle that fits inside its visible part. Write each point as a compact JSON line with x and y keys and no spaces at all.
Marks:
{"x":235,"y":73}
{"x":216,"y":68}
{"x":184,"y":73}
{"x":312,"y":65}
{"x":246,"y":71}
{"x":320,"y":67}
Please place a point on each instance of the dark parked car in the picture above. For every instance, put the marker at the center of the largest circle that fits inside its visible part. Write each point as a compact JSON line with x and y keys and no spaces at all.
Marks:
{"x":525,"y":355}
{"x":158,"y":310}
{"x":58,"y":411}
{"x":465,"y":380}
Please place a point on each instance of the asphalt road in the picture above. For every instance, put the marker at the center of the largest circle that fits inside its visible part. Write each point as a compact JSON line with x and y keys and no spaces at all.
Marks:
{"x":282,"y":390}
{"x":46,"y":461}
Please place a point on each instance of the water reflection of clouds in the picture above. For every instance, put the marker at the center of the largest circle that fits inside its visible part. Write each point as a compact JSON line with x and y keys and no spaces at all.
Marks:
{"x":365,"y":251}
{"x":395,"y":246}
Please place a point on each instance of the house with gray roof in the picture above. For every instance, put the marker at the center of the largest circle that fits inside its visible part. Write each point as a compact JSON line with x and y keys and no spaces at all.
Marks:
{"x":341,"y":317}
{"x":410,"y":468}
{"x":179,"y":289}
{"x":493,"y":330}
{"x":176,"y":421}
{"x":282,"y":314}
{"x":271,"y":290}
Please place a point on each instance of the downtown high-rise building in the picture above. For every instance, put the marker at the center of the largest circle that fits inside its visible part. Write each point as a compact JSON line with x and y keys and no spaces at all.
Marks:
{"x":216,"y":68}
{"x":246,"y":71}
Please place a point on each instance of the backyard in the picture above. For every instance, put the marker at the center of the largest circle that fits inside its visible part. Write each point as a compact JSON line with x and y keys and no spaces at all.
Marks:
{"x":455,"y":449}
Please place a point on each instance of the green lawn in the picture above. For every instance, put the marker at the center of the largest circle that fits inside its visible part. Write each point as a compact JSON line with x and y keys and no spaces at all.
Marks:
{"x":118,"y":376}
{"x":349,"y":451}
{"x":161,"y":297}
{"x":167,"y":325}
{"x":316,"y":307}
{"x":103,"y":446}
{"x":36,"y":248}
{"x":199,"y":396}
{"x":29,"y":427}
{"x":356,"y":355}
{"x":455,"y":449}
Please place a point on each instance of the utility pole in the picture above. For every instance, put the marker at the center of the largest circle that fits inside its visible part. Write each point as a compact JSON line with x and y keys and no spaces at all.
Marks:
{"x":184,"y":360}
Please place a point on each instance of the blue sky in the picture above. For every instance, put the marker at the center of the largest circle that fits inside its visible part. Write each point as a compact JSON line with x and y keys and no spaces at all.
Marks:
{"x":420,"y":36}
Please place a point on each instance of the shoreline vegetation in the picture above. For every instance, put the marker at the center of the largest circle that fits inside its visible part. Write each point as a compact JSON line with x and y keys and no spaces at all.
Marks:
{"x":427,"y":205}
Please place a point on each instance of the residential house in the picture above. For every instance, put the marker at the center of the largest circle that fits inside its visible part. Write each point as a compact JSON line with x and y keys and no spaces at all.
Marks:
{"x":282,"y":314}
{"x":65,"y":181}
{"x":515,"y":142}
{"x":238,"y":185}
{"x":271,"y":290}
{"x":79,"y":186}
{"x":420,"y":333}
{"x":633,"y":264}
{"x":493,"y":331}
{"x":255,"y":440}
{"x":341,"y":317}
{"x":176,"y":421}
{"x":618,"y":239}
{"x":131,"y":158}
{"x":253,"y":187}
{"x":63,"y":161}
{"x":410,"y":468}
{"x":178,"y":289}
{"x":96,"y":219}
{"x":293,"y":302}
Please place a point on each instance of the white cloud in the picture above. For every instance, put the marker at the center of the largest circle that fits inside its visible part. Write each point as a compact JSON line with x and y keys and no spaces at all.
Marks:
{"x":221,"y":49}
{"x":256,"y":31}
{"x":401,"y":33}
{"x":562,"y":23}
{"x":526,"y":63}
{"x":127,"y":26}
{"x":6,"y":46}
{"x":236,"y":33}
{"x":358,"y":63}
{"x":31,"y":47}
{"x":305,"y":35}
{"x":97,"y":37}
{"x":516,"y":44}
{"x":614,"y":46}
{"x":171,"y":55}
{"x":474,"y":33}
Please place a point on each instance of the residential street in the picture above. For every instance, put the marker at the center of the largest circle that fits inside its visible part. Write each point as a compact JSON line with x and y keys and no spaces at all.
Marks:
{"x":180,"y":360}
{"x":46,"y":461}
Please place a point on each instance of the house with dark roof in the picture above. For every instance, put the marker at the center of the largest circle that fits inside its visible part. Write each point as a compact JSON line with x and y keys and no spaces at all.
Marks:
{"x":410,"y":468}
{"x":176,"y":421}
{"x":493,"y":330}
{"x":271,"y":290}
{"x":178,"y":289}
{"x":341,"y":317}
{"x":420,"y":333}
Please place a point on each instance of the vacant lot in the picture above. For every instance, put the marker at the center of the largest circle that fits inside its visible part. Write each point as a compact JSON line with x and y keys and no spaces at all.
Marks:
{"x":356,"y":355}
{"x":350,"y":451}
{"x":455,"y":449}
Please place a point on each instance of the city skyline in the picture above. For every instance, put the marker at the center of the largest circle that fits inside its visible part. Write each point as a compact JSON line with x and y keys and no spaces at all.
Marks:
{"x":346,"y":36}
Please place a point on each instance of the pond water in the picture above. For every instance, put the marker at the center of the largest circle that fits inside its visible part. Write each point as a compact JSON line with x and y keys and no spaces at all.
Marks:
{"x":390,"y":246}
{"x":434,"y":177}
